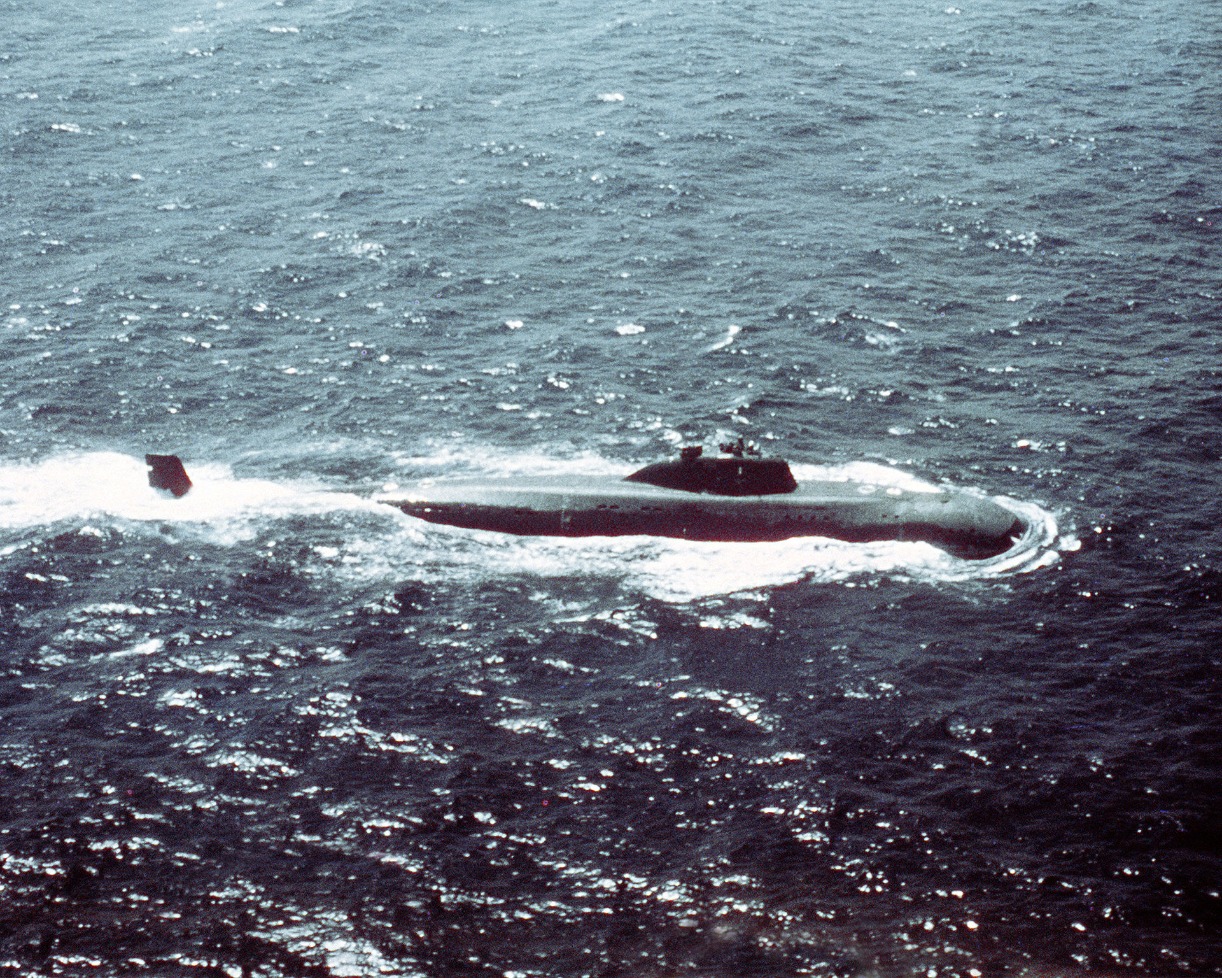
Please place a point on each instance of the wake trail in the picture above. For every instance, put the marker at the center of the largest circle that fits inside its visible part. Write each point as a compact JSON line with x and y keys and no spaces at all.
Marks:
{"x":109,"y":484}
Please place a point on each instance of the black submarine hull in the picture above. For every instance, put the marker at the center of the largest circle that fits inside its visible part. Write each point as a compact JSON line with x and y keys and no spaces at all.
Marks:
{"x":967,"y":526}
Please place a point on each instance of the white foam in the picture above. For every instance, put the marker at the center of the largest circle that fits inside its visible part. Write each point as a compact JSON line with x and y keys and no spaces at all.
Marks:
{"x":872,"y":473}
{"x":676,"y":571}
{"x":87,"y":486}
{"x":726,"y":340}
{"x":464,"y":459}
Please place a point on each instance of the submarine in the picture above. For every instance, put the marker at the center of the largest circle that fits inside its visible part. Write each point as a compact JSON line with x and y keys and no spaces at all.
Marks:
{"x":732,"y":498}
{"x":737,"y":497}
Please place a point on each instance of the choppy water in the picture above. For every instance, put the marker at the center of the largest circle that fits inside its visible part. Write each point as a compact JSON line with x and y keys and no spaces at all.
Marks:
{"x":275,"y":728}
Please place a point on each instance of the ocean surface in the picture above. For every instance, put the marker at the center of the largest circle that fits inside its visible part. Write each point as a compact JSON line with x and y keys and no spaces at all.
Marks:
{"x":322,"y":249}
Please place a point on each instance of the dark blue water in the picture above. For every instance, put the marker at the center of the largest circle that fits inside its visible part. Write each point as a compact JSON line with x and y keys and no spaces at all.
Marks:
{"x":321,"y":249}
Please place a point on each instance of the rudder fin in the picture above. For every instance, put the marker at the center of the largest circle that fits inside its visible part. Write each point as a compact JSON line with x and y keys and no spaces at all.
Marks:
{"x":167,"y":472}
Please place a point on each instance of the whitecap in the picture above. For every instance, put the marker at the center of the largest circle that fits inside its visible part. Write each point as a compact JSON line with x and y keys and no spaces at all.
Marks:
{"x":731,"y":332}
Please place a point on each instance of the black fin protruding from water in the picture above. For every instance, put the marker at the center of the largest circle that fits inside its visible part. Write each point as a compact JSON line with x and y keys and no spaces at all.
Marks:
{"x":166,"y":472}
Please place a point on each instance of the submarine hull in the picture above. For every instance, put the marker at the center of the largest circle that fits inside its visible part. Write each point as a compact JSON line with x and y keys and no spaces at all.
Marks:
{"x":964,"y":525}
